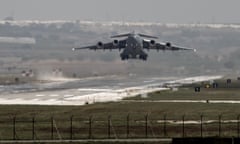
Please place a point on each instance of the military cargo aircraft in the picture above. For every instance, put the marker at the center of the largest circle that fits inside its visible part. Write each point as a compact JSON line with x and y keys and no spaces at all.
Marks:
{"x":133,"y":45}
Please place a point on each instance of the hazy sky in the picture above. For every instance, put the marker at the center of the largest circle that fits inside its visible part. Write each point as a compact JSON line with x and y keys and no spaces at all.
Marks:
{"x":166,"y":11}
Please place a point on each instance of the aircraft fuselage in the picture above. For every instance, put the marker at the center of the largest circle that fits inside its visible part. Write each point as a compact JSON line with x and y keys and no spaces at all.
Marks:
{"x":134,"y":48}
{"x":133,"y":45}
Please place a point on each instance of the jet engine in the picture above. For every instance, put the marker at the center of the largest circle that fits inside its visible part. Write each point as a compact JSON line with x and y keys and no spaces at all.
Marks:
{"x":99,"y":45}
{"x":115,"y":42}
{"x":168,"y":44}
{"x":152,"y":42}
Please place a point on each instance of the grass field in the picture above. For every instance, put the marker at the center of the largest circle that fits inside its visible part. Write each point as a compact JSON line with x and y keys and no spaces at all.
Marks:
{"x":132,"y":107}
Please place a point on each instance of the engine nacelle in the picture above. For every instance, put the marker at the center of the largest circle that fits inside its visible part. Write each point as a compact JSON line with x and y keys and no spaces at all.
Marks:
{"x":115,"y":42}
{"x":100,"y":45}
{"x":152,"y":42}
{"x":168,"y":44}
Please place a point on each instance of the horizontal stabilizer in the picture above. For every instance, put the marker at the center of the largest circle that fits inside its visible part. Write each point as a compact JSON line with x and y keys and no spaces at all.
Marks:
{"x":121,"y":35}
{"x":128,"y":34}
{"x":147,"y":36}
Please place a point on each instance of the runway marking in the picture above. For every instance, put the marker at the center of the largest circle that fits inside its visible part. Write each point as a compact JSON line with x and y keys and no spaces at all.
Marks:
{"x":54,"y":95}
{"x":40,"y":95}
{"x":51,"y":100}
{"x":68,"y":95}
{"x":94,"y":89}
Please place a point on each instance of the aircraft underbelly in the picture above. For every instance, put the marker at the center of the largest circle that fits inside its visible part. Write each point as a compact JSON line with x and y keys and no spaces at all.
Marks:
{"x":133,"y":49}
{"x":133,"y":52}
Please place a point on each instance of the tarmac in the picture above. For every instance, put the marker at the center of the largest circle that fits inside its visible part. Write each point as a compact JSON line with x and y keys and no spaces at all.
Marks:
{"x":89,"y":90}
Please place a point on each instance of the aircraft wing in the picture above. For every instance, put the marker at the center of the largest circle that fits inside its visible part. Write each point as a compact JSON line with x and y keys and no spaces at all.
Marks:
{"x":149,"y":44}
{"x":105,"y":46}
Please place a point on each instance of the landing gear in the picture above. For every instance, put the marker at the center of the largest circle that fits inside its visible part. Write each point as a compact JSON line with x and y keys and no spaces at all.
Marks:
{"x":124,"y":57}
{"x":143,"y":57}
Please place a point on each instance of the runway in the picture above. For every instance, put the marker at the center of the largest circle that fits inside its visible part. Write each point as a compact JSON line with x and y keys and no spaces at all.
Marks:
{"x":89,"y":90}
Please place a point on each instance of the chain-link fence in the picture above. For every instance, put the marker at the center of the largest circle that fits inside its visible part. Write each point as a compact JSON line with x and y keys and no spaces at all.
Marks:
{"x":17,"y":128}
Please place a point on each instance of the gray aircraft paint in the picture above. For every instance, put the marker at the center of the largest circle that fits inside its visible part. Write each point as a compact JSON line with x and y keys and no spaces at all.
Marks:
{"x":133,"y":46}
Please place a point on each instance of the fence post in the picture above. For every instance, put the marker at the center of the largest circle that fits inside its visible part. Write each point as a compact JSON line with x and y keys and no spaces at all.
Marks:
{"x":14,"y":128}
{"x":183,"y":126}
{"x":201,"y":124}
{"x":90,"y":128}
{"x":146,"y":125}
{"x":165,"y":125}
{"x":52,"y":127}
{"x":238,"y":130}
{"x":128,"y":126}
{"x":33,"y":128}
{"x":109,"y":126}
{"x":71,"y":127}
{"x":219,"y":125}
